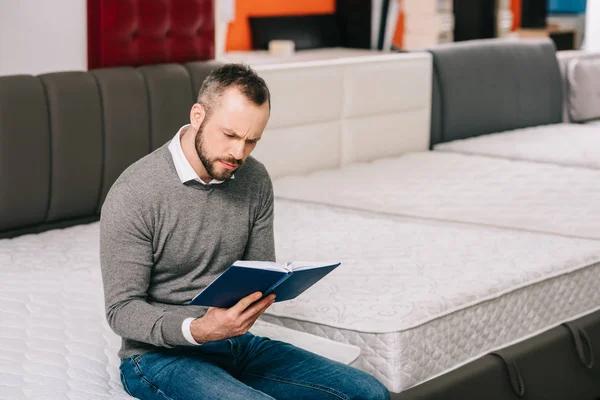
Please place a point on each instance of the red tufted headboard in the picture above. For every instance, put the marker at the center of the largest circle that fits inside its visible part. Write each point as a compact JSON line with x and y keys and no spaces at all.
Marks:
{"x":139,"y":32}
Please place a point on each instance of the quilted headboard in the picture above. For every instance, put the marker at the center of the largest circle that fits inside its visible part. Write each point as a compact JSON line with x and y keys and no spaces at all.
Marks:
{"x":66,"y":137}
{"x":344,"y":106}
{"x":141,"y":32}
{"x":488,"y":86}
{"x":564,"y":57}
{"x":580,"y":72}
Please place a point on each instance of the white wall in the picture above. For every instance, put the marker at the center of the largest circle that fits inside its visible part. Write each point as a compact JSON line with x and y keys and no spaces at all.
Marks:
{"x":592,"y":25}
{"x":224,"y":14}
{"x":39,"y":36}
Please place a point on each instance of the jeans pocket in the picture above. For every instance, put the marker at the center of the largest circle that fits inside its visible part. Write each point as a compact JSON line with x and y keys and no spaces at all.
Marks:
{"x":137,"y":359}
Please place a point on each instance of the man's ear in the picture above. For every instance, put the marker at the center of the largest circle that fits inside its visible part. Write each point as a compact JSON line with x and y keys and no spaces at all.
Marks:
{"x":197,"y":115}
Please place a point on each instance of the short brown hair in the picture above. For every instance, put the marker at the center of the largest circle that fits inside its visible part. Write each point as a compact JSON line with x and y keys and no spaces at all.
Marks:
{"x":237,"y":75}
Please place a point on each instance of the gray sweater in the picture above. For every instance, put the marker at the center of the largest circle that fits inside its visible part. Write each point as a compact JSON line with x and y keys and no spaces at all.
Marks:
{"x":162,"y":241}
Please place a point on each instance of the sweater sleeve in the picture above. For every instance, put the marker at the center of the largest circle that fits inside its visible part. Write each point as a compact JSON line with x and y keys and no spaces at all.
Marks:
{"x":126,"y":259}
{"x":261,"y":243}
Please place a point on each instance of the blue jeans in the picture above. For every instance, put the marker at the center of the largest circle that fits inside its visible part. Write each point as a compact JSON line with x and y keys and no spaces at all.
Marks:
{"x":246,"y":367}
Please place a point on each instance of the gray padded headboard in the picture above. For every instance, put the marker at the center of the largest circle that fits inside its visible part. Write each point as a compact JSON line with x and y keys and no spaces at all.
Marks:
{"x":487,"y":86}
{"x":66,"y":137}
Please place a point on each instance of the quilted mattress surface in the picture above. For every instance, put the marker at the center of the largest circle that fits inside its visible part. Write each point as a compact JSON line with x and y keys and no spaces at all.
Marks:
{"x":423,"y":297}
{"x":397,"y":296}
{"x":54,"y":339}
{"x":55,"y":342}
{"x":576,"y":145}
{"x":461,"y":188}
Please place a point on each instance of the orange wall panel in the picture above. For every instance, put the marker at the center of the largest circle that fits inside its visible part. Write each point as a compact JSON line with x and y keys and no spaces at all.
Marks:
{"x":398,"y":39}
{"x":515,"y":6}
{"x":238,"y":36}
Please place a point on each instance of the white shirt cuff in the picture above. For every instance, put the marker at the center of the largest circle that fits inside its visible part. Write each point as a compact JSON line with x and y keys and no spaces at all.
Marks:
{"x":186,"y":329}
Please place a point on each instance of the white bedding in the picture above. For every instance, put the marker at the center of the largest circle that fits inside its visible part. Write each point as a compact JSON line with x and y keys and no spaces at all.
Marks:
{"x":576,"y":145}
{"x":462,"y":188}
{"x":397,"y":296}
{"x":423,"y":297}
{"x":54,"y":339}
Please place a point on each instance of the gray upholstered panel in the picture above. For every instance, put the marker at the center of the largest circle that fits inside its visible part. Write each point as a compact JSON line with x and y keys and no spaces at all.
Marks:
{"x":171,"y":98}
{"x":79,"y":131}
{"x":76,"y":143}
{"x":436,"y":110}
{"x":24,"y":152}
{"x":198,"y":71}
{"x":488,"y":86}
{"x":126,"y":121}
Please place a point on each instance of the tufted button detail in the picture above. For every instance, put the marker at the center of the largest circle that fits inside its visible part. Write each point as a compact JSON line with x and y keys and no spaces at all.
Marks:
{"x":154,"y":31}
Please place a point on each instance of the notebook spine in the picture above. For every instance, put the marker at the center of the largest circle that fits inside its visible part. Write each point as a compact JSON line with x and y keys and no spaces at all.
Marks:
{"x":279,"y":282}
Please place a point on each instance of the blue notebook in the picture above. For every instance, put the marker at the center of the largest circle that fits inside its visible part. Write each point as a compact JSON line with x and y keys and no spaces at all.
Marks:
{"x":243,"y":278}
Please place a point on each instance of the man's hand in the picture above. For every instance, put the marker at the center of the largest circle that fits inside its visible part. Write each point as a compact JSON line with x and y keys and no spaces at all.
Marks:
{"x":223,"y":323}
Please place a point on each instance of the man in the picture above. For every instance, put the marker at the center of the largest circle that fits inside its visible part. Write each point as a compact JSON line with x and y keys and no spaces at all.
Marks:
{"x":172,"y":223}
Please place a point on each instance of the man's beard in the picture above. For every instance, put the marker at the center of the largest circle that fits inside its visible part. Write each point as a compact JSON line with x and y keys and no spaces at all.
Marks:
{"x":209,"y":163}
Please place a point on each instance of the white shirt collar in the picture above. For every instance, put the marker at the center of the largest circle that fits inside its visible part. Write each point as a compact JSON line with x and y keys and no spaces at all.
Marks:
{"x":184,"y":169}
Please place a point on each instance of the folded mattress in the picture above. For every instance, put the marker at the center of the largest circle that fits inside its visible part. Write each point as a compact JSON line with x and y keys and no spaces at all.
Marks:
{"x":55,"y":342}
{"x":576,"y":145}
{"x":461,"y":188}
{"x":422,"y":297}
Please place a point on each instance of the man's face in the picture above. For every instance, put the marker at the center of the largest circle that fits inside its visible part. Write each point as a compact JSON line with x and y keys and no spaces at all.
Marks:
{"x":226,"y":138}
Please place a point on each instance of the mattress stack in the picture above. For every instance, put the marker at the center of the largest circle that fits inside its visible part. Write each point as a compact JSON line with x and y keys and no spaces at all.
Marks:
{"x":423,"y":297}
{"x":446,"y":256}
{"x":454,"y":187}
{"x":427,"y":23}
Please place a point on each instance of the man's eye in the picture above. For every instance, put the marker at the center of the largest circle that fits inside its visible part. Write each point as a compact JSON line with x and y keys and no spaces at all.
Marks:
{"x":228,"y":134}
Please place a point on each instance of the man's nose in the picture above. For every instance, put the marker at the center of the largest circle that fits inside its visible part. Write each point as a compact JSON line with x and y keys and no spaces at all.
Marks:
{"x":238,"y":149}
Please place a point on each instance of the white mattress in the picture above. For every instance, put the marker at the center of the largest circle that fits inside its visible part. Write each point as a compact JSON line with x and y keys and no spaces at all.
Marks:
{"x":412,"y":320}
{"x":54,"y":339}
{"x":422,"y":297}
{"x":462,"y":188}
{"x":263,"y":57}
{"x":576,"y":145}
